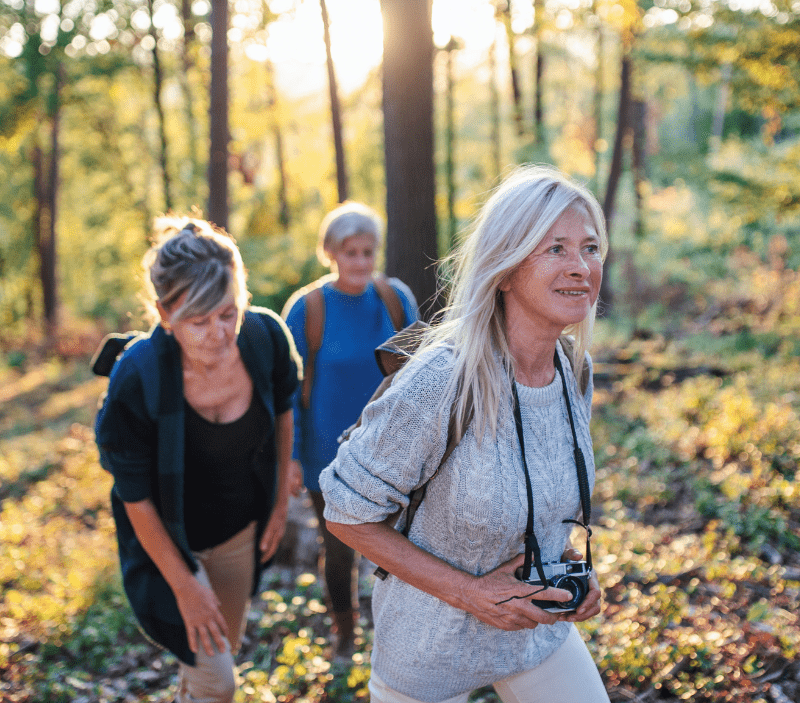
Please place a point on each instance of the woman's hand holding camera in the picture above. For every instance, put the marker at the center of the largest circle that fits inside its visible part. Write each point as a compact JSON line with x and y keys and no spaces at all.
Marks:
{"x":501,"y":600}
{"x":592,"y":603}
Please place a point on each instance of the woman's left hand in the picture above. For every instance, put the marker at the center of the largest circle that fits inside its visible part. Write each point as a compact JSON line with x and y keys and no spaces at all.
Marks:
{"x":273,"y":533}
{"x":592,"y":603}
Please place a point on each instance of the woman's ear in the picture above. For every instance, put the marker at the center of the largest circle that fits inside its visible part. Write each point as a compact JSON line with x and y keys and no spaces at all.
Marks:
{"x":505,"y":284}
{"x":163,"y":314}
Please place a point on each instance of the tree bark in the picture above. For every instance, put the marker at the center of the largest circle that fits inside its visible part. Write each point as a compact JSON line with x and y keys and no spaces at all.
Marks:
{"x":615,"y":172}
{"x":497,"y":164}
{"x":44,"y":221}
{"x":284,"y":216}
{"x":599,"y":87}
{"x":450,"y":150}
{"x":192,"y":130}
{"x":411,"y":240}
{"x":639,"y":160}
{"x":538,"y":66}
{"x":219,"y":135}
{"x":336,"y":115}
{"x":162,"y":132}
{"x":516,"y":91}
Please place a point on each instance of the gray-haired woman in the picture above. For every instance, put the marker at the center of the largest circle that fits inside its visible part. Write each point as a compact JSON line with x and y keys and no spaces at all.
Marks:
{"x":453,"y":614}
{"x":337,"y":322}
{"x":196,"y":428}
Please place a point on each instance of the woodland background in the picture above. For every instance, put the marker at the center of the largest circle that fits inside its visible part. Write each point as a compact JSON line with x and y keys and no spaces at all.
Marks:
{"x":683,"y":116}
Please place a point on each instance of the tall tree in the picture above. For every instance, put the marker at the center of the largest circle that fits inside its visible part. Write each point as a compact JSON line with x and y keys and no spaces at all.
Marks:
{"x":615,"y":171}
{"x":336,"y":113}
{"x":284,"y":216}
{"x":219,"y":134}
{"x":516,"y":90}
{"x":192,"y":129}
{"x":411,"y":241}
{"x":494,"y":105}
{"x":450,"y":136}
{"x":162,"y":130}
{"x":538,"y":71}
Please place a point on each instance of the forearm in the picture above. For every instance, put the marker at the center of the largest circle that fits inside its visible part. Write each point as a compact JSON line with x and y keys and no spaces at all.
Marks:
{"x":385,"y":546}
{"x":284,"y":438}
{"x":155,"y":540}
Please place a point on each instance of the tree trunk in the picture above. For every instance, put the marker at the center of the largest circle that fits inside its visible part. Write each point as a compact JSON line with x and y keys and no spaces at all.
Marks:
{"x":599,"y":89}
{"x":336,"y":115}
{"x":721,"y":107}
{"x":162,"y":132}
{"x":284,"y":216}
{"x":538,"y":66}
{"x":516,"y":91}
{"x":218,"y":117}
{"x":192,"y":130}
{"x":411,"y":241}
{"x":44,"y":221}
{"x":497,"y":159}
{"x":450,"y":136}
{"x":615,"y":172}
{"x":639,"y":160}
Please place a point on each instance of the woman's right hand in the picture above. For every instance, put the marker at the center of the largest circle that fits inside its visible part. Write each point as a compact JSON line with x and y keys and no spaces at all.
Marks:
{"x":500,"y":599}
{"x":200,"y":610}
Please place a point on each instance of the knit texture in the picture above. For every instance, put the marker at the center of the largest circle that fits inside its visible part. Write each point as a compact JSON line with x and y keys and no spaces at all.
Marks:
{"x":473,"y":517}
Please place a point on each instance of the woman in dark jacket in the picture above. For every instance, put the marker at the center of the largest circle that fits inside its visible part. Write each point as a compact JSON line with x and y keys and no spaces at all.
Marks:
{"x":197,"y":430}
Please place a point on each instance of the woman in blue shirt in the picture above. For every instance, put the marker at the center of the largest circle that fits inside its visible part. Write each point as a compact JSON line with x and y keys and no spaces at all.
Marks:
{"x":337,"y":322}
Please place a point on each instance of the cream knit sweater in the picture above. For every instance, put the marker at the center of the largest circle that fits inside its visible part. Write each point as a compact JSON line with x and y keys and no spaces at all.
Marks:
{"x":473,"y":517}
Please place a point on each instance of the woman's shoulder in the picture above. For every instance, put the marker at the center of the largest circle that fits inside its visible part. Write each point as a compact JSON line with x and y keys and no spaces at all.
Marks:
{"x":296,"y":303}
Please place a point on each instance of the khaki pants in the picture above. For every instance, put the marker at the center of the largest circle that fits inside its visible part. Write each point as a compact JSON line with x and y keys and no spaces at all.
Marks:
{"x":567,"y":676}
{"x":228,"y":570}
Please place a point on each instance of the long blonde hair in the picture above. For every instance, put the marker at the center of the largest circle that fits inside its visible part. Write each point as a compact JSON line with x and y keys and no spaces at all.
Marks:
{"x":515,"y":218}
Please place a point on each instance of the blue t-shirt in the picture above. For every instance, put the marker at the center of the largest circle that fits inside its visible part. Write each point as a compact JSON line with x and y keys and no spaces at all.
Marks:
{"x":345,"y":374}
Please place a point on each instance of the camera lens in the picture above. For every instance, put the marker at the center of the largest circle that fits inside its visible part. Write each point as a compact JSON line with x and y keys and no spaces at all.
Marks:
{"x":575,"y":586}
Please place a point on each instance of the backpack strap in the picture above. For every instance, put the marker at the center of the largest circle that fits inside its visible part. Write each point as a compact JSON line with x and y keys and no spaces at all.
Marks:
{"x":391,"y":300}
{"x":315,"y":326}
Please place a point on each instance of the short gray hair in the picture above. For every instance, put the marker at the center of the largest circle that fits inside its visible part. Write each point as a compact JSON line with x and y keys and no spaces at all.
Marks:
{"x":192,"y":256}
{"x":346,"y":220}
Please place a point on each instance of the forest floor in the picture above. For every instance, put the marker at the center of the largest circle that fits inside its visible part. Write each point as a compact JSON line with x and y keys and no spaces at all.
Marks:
{"x":697,"y":541}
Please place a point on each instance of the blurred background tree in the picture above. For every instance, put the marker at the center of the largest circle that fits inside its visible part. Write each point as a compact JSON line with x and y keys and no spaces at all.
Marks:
{"x":110,"y":114}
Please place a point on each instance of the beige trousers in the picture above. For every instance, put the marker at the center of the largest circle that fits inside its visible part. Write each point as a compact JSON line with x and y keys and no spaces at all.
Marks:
{"x":228,"y":570}
{"x":567,"y":676}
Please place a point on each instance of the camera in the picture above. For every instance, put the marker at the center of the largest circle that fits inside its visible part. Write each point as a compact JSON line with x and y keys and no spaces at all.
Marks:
{"x":572,"y":576}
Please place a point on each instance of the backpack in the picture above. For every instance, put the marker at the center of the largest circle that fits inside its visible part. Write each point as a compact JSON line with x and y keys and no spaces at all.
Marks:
{"x":391,"y":356}
{"x":315,"y":322}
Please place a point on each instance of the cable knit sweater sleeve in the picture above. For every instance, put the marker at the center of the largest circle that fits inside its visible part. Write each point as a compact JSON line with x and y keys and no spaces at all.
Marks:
{"x":397,"y":448}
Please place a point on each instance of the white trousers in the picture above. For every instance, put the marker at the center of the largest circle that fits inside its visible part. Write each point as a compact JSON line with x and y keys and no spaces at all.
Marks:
{"x":569,"y":675}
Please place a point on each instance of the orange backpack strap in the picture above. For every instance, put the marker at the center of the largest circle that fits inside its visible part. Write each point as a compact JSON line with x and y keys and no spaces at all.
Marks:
{"x":391,"y":300}
{"x":315,"y":326}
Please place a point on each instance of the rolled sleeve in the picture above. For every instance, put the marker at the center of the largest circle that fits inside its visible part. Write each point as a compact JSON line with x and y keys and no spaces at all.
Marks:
{"x":397,"y":448}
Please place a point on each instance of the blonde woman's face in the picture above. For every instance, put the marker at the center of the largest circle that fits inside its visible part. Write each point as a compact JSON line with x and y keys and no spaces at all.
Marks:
{"x":558,"y":283}
{"x":206,"y":339}
{"x":355,"y":263}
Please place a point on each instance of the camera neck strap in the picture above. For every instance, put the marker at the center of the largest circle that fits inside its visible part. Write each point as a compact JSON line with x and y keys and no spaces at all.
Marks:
{"x":533,"y":556}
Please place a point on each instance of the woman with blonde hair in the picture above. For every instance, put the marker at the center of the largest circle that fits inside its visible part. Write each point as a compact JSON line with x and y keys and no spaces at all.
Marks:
{"x":196,"y":428}
{"x":472,"y":594}
{"x":337,"y":322}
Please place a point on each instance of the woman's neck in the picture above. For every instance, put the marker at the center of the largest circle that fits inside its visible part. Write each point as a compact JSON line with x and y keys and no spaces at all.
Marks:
{"x":533,"y":359}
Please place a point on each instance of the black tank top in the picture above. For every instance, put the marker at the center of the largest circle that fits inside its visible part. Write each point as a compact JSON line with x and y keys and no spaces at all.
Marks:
{"x":221,"y":490}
